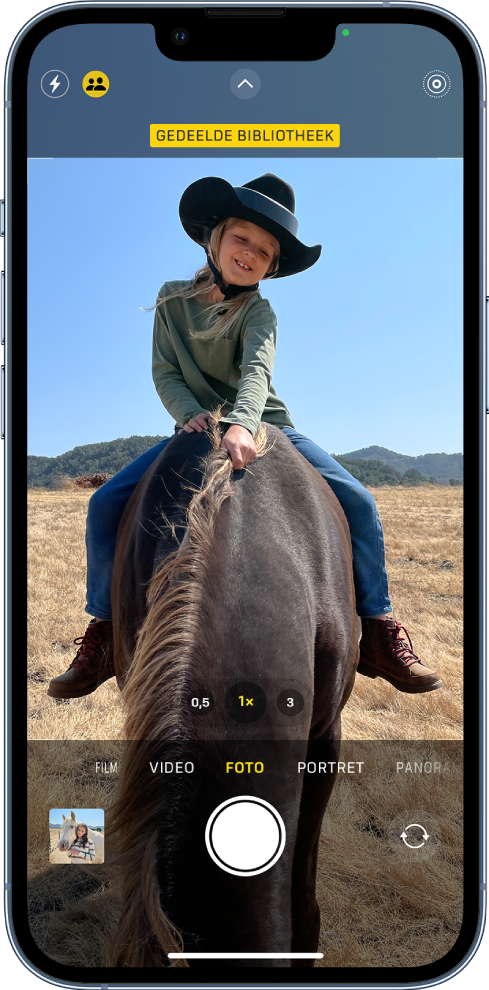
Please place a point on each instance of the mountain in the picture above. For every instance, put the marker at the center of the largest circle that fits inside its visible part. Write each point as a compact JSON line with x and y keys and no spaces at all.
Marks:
{"x":372,"y":466}
{"x":373,"y":474}
{"x":439,"y":466}
{"x":93,"y":458}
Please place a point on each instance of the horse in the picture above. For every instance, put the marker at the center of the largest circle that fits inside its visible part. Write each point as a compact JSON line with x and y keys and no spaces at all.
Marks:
{"x":68,"y":837}
{"x":233,"y":601}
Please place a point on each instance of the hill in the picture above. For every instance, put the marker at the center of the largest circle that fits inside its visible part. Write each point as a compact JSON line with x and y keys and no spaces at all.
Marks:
{"x":442,"y":467}
{"x":373,"y":466}
{"x":374,"y":474}
{"x":93,"y":458}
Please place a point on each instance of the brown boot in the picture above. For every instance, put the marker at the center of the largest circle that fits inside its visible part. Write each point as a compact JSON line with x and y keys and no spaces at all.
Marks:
{"x":383,"y":653}
{"x":93,"y":664}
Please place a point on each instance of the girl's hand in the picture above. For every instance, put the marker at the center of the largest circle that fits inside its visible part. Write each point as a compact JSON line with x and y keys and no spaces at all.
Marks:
{"x":240,"y":445}
{"x":199,"y":423}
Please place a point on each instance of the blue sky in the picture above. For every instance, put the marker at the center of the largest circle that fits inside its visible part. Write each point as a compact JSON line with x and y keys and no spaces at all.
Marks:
{"x":369,"y":340}
{"x":91,"y":816}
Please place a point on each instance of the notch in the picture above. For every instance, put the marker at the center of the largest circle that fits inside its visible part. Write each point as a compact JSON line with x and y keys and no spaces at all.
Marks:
{"x":246,"y":34}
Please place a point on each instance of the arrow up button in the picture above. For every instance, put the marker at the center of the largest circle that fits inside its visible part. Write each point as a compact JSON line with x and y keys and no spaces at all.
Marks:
{"x":245,"y":84}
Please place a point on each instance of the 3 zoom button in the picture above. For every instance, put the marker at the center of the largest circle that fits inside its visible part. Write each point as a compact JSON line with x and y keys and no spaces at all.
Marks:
{"x":290,"y":702}
{"x":245,"y":836}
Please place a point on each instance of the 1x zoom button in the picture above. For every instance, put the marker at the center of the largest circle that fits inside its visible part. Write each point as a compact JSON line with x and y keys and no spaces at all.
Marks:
{"x":246,"y":702}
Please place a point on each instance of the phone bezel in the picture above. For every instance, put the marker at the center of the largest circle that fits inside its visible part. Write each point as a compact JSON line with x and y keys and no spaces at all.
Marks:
{"x":15,"y":353}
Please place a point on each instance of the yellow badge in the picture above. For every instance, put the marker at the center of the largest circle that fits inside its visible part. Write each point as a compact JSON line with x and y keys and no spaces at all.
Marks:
{"x":95,"y":83}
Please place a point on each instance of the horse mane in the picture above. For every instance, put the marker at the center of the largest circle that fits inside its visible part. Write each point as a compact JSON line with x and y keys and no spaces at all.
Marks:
{"x":154,"y":695}
{"x":168,"y":637}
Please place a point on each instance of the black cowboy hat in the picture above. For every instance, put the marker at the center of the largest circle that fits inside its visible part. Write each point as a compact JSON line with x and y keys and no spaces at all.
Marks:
{"x":268,"y":202}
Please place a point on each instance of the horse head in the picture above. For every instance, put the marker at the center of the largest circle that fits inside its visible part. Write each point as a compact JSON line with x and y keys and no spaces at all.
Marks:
{"x":68,"y":834}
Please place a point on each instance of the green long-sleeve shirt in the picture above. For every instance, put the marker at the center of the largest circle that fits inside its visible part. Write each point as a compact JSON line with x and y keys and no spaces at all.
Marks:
{"x":234,"y":372}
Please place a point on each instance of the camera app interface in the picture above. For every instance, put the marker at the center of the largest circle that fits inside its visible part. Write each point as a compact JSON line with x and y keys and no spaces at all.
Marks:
{"x":245,"y":486}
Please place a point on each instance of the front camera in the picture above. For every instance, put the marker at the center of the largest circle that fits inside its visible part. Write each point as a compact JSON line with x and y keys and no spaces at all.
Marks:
{"x":179,"y":36}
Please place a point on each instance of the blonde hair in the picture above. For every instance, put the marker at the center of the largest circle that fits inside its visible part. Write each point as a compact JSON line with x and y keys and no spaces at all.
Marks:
{"x":203,"y":282}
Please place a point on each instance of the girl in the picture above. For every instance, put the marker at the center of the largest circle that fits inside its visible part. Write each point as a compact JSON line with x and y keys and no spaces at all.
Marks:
{"x":83,"y":849}
{"x":214,"y":345}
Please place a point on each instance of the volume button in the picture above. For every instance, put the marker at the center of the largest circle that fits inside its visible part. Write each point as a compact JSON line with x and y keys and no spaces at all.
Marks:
{"x":3,"y":402}
{"x":2,"y":306}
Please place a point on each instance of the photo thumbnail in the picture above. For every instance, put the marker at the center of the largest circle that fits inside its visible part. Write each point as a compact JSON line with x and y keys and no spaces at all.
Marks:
{"x":72,"y":840}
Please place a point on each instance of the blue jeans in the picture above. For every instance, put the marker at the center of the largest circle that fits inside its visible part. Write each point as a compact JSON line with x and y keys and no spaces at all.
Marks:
{"x":107,"y":505}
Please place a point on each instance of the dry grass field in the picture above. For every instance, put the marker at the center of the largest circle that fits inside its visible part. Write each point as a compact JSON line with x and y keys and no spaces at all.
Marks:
{"x":404,"y":906}
{"x":56,"y":589}
{"x":381,"y":903}
{"x":423,"y":533}
{"x":401,"y":907}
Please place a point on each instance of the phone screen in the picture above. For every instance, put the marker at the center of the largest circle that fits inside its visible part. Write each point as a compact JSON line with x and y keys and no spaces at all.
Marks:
{"x":249,"y":262}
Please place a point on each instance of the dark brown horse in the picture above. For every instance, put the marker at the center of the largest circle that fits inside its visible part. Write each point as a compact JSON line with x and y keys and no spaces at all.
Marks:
{"x":237,"y":588}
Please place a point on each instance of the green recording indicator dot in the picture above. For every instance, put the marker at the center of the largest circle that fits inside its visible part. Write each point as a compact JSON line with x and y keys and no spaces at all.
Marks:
{"x":345,"y":32}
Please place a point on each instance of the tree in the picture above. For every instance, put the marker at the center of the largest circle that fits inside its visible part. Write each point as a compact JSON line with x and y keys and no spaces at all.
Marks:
{"x":413,"y":477}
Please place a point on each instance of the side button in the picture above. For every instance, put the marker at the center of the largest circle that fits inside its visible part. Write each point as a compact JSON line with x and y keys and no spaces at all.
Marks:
{"x":3,"y":402}
{"x":487,"y":353}
{"x":2,"y":217}
{"x":2,"y":306}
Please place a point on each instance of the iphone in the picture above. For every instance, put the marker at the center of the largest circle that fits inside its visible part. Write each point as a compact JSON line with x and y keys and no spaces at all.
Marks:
{"x":244,"y":289}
